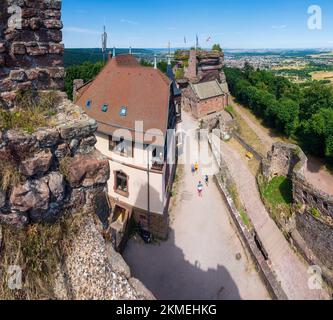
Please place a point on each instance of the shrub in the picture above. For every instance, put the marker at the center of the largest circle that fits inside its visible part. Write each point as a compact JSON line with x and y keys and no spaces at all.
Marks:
{"x":179,"y":74}
{"x":315,"y":212}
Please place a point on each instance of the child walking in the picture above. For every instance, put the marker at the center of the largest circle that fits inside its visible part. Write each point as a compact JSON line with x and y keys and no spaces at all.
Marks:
{"x":200,"y":188}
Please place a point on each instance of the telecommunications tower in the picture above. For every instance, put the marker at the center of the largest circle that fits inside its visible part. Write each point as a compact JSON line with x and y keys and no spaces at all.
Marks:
{"x":104,"y":44}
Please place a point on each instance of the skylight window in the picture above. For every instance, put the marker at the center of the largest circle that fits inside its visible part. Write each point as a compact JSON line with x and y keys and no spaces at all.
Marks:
{"x":88,"y":104}
{"x":105,"y":107}
{"x":123,"y":111}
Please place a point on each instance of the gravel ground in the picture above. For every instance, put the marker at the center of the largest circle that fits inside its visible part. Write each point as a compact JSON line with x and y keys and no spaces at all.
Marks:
{"x":89,"y":273}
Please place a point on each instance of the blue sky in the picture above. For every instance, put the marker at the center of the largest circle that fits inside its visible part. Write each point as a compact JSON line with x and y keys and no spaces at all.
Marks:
{"x":233,"y":23}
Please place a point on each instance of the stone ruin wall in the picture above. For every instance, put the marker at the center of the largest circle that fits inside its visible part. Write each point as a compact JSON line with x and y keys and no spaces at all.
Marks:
{"x":31,"y":53}
{"x":317,"y":232}
{"x":289,"y":160}
{"x":59,"y":167}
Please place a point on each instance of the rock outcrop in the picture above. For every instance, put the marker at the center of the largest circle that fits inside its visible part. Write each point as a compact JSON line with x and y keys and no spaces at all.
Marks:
{"x":201,"y":66}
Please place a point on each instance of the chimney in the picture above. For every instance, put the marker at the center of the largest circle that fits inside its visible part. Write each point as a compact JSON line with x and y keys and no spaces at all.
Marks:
{"x":155,"y":61}
{"x":114,"y":52}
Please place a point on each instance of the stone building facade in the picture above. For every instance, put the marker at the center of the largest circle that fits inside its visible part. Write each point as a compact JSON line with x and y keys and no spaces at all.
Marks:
{"x":31,"y":53}
{"x":204,"y":87}
{"x":205,"y":99}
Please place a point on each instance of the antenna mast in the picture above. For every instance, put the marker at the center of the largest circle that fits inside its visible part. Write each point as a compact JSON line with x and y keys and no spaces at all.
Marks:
{"x":104,"y":44}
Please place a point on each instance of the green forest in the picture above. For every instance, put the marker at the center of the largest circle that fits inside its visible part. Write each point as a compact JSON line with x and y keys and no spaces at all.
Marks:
{"x":86,"y":71}
{"x":303,"y":112}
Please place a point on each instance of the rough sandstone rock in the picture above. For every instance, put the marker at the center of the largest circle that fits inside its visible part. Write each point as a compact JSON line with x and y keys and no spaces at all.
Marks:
{"x":38,"y":164}
{"x":88,"y":170}
{"x":47,"y":137}
{"x":17,"y":220}
{"x":57,"y":186}
{"x":31,"y":196}
{"x":2,"y":198}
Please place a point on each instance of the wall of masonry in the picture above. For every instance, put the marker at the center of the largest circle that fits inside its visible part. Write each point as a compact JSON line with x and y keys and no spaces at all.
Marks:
{"x":31,"y":53}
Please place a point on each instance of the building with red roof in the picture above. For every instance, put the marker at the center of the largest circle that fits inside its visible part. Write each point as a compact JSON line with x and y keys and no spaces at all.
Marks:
{"x":134,"y":107}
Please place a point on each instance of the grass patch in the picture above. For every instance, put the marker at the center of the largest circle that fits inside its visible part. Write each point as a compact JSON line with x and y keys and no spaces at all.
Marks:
{"x":245,"y":218}
{"x":232,"y":189}
{"x":315,"y":212}
{"x":277,"y":196}
{"x":180,"y":74}
{"x":64,"y":167}
{"x":39,"y":250}
{"x":278,"y":191}
{"x":231,"y":110}
{"x":33,"y":110}
{"x":248,"y":135}
{"x":9,"y":175}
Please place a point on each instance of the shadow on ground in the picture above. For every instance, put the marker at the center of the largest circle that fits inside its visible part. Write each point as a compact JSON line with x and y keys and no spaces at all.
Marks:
{"x":163,"y":269}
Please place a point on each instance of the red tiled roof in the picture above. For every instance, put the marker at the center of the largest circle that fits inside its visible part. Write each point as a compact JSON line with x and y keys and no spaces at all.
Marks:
{"x":144,"y":91}
{"x":123,"y":82}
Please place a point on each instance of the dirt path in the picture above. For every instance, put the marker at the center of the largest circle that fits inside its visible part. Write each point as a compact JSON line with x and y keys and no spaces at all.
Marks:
{"x":290,"y":270}
{"x":199,"y":259}
{"x":315,"y":172}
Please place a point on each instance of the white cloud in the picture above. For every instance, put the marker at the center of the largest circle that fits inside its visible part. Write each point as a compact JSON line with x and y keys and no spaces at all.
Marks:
{"x":283,"y":26}
{"x":129,"y":22}
{"x":80,"y":30}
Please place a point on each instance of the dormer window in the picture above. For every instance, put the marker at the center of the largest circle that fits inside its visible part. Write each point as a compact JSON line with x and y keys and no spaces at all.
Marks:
{"x":105,"y":107}
{"x":88,"y":104}
{"x":123,"y":111}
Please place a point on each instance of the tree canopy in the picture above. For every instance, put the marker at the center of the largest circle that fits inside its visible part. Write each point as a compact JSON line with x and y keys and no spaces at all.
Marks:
{"x":217,"y":47}
{"x":303,"y":112}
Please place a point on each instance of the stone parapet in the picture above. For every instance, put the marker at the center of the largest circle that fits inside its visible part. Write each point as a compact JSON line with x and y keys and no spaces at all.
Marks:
{"x":57,"y":168}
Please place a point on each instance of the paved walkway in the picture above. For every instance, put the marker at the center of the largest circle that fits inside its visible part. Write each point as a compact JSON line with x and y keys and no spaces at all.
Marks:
{"x":315,"y":171}
{"x":290,"y":270}
{"x":199,"y":259}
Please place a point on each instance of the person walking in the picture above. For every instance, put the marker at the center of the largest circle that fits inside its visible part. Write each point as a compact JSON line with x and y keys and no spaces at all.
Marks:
{"x":192,"y":169}
{"x":196,"y":167}
{"x":207,"y":180}
{"x":200,"y":189}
